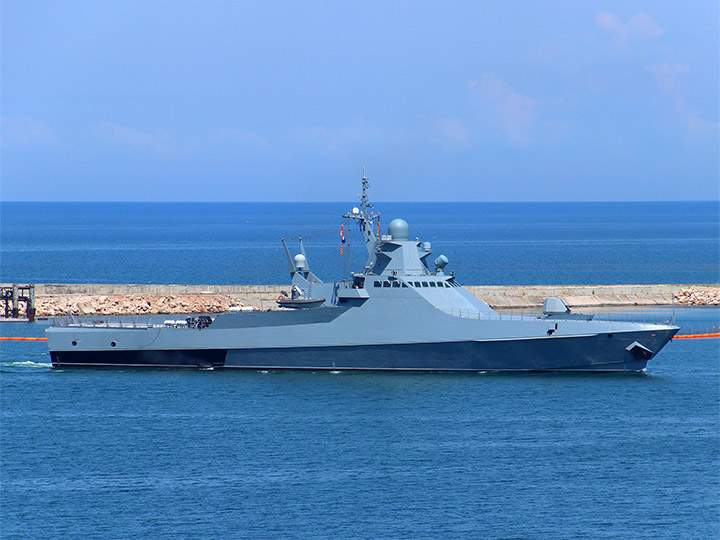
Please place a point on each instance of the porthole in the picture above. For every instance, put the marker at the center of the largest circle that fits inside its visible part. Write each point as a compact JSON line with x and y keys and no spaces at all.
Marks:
{"x":74,"y":343}
{"x":610,"y":335}
{"x":112,"y":344}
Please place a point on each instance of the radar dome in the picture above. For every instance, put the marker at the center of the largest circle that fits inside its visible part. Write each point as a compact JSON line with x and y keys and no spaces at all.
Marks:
{"x":398,"y":229}
{"x":300,"y":261}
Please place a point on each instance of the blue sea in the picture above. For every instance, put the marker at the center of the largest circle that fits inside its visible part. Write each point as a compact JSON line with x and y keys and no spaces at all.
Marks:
{"x":120,"y":454}
{"x":239,"y":243}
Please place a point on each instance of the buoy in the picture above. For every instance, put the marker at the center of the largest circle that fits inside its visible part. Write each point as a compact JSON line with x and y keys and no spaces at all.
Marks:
{"x":281,"y":297}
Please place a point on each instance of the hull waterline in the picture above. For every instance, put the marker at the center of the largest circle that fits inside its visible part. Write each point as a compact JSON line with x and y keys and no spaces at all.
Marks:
{"x":587,"y":353}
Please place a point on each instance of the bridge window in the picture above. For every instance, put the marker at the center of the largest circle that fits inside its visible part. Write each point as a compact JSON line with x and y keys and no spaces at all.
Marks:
{"x":432,"y":283}
{"x":378,"y":284}
{"x":386,"y":284}
{"x":396,"y":284}
{"x":417,"y":284}
{"x":425,"y":284}
{"x":404,"y":284}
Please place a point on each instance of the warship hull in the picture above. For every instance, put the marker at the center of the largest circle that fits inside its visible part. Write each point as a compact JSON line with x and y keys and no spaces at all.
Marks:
{"x":397,"y":315}
{"x":589,"y":353}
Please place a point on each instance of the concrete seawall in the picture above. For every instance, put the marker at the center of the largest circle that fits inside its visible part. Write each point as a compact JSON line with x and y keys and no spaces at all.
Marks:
{"x":531,"y":296}
{"x":144,"y":299}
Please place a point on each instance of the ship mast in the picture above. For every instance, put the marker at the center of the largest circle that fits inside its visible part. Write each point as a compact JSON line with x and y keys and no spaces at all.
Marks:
{"x":365,"y":218}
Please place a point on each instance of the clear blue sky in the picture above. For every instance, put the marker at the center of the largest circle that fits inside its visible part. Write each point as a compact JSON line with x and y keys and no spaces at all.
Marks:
{"x":285,"y":101}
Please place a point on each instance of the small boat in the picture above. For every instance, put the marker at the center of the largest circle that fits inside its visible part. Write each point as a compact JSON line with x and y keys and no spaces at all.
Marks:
{"x":300,"y":303}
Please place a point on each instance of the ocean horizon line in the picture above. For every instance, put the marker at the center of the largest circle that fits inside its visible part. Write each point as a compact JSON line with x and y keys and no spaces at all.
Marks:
{"x":376,"y":202}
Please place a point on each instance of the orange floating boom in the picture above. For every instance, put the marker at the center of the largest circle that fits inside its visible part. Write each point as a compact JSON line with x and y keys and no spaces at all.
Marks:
{"x":697,"y":336}
{"x":23,"y":339}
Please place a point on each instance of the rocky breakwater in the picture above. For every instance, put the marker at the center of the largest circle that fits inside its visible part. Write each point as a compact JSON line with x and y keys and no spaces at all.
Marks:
{"x":80,"y":304}
{"x":699,"y":296}
{"x":591,"y":296}
{"x":128,"y":299}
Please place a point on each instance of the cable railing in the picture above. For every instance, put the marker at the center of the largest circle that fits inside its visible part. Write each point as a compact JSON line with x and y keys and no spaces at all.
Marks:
{"x":130,"y":323}
{"x":463,"y":313}
{"x":491,"y":316}
{"x":72,"y":322}
{"x":645,"y":318}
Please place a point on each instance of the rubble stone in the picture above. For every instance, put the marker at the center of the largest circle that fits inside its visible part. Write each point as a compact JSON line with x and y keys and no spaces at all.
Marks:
{"x":699,"y":296}
{"x":57,"y":300}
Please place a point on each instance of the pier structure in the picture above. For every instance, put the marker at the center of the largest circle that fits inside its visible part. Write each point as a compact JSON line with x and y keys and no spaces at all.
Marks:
{"x":14,"y":295}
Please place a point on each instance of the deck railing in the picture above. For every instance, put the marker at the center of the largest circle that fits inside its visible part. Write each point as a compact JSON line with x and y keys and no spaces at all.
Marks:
{"x":492,"y":316}
{"x":144,"y":323}
{"x":646,"y":318}
{"x":74,"y":322}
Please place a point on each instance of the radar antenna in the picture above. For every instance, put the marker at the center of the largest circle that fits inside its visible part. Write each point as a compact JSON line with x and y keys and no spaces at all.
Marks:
{"x":365,"y":218}
{"x":365,"y":198}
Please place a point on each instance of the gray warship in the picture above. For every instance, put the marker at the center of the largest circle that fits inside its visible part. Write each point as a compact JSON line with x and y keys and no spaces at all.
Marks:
{"x":403,"y":312}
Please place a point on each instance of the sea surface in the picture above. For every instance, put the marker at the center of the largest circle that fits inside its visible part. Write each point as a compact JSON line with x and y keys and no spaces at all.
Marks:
{"x":239,"y":243}
{"x":121,"y":454}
